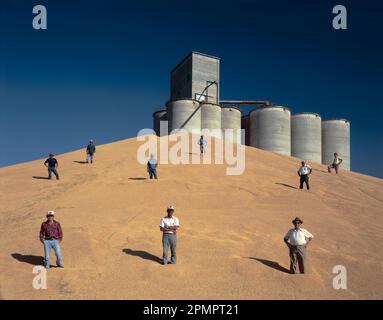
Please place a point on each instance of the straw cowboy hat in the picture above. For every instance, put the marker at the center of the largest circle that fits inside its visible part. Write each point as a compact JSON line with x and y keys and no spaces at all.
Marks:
{"x":297,"y":219}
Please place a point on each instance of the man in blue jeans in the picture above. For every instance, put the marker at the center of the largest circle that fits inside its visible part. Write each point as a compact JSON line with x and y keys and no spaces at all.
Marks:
{"x":51,"y":236}
{"x":169,"y":226}
{"x":52,"y":165}
{"x":90,"y":151}
{"x":202,"y":144}
{"x":152,"y":167}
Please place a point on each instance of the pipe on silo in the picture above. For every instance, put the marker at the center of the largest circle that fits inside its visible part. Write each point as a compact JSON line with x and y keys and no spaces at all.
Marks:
{"x":184,"y":114}
{"x":336,"y":138}
{"x":270,"y":129}
{"x":306,"y":136}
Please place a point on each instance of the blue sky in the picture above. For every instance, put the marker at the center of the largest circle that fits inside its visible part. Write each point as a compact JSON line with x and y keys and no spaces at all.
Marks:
{"x":102,"y":68}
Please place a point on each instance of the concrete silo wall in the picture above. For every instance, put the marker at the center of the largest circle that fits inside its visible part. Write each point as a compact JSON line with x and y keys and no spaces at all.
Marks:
{"x":231,"y":119}
{"x":211,"y":118}
{"x":270,"y":129}
{"x":306,"y":137}
{"x":336,"y":138}
{"x":159,"y":116}
{"x":184,"y":114}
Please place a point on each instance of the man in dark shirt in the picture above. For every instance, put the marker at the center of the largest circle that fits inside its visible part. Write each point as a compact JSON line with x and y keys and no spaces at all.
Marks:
{"x":51,"y":236}
{"x":90,"y":151}
{"x":52,"y":165}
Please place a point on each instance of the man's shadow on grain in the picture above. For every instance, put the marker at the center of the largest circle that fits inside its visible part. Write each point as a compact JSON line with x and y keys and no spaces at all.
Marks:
{"x":28,"y":258}
{"x":142,"y":254}
{"x":272,"y":264}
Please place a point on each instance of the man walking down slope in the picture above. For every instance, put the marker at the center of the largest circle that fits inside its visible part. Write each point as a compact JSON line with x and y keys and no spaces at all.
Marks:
{"x":52,"y":164}
{"x":304,"y":172}
{"x":169,"y":226}
{"x":90,"y":151}
{"x":335,"y":164}
{"x":51,"y":236}
{"x":297,"y":240}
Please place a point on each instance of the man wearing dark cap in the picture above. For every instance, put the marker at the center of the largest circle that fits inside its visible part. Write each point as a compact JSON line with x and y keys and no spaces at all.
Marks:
{"x":51,"y":236}
{"x":90,"y":151}
{"x":169,"y":226}
{"x":335,"y":163}
{"x":52,"y":165}
{"x":296,"y":240}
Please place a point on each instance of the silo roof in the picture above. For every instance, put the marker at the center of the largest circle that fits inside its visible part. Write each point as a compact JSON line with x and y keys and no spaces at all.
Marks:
{"x":270,"y":107}
{"x":158,"y":111}
{"x":307,"y":113}
{"x":191,"y":53}
{"x":337,"y":119}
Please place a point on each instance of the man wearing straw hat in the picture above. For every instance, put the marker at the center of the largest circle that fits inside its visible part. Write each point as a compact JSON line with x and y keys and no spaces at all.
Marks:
{"x":51,"y":236}
{"x":296,"y":240}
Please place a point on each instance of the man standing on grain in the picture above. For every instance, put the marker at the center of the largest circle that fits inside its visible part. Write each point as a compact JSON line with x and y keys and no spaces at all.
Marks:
{"x":304,"y":172}
{"x":335,"y":164}
{"x":297,"y":240}
{"x":51,"y":236}
{"x":52,"y":165}
{"x":90,"y":151}
{"x":169,"y":226}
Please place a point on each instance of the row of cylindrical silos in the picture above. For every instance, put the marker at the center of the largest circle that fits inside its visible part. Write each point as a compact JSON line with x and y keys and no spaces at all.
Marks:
{"x":273,"y":128}
{"x":192,"y":115}
{"x":302,"y":135}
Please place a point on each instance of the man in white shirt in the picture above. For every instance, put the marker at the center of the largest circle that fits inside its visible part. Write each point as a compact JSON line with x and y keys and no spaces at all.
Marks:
{"x":297,"y":239}
{"x":169,"y":226}
{"x":202,"y":144}
{"x":304,"y":172}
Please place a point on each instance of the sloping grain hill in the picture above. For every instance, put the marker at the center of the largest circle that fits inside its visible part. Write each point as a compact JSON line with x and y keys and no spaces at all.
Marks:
{"x":229,"y":244}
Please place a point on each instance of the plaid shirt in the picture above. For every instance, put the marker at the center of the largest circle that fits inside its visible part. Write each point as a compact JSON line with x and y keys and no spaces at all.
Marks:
{"x":51,"y":231}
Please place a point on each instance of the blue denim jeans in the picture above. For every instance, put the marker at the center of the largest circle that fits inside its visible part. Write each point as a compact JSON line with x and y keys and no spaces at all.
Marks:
{"x":54,"y":170}
{"x":169,"y":240}
{"x":48,"y":245}
{"x":89,"y":157}
{"x":153,"y":173}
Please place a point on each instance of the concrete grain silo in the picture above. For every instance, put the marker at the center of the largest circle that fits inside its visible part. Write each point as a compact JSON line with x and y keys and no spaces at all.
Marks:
{"x":306,"y":136}
{"x":211,"y":118}
{"x":245,"y":126}
{"x":231,"y":119}
{"x":159,"y":116}
{"x":184,"y":114}
{"x":270,"y":129}
{"x":336,"y":138}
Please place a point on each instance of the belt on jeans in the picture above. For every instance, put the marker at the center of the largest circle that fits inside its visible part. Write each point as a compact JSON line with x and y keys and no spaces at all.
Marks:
{"x":51,"y":239}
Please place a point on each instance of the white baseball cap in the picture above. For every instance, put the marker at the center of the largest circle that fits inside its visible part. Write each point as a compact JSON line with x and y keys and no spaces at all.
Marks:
{"x":50,"y":213}
{"x":170,"y":208}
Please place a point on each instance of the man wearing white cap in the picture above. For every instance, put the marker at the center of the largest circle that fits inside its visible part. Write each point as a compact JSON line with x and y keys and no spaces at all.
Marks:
{"x":50,"y":236}
{"x":169,"y":226}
